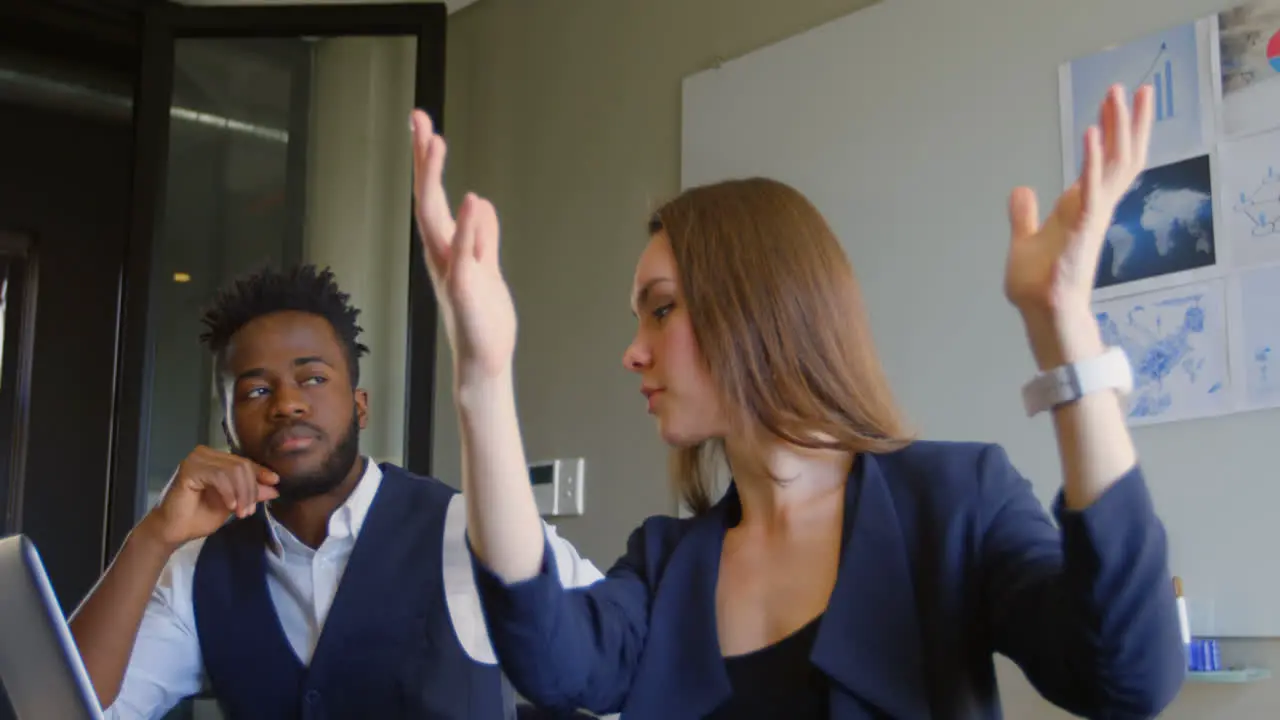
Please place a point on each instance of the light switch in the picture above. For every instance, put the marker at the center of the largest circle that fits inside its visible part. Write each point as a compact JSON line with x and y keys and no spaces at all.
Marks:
{"x":559,"y":486}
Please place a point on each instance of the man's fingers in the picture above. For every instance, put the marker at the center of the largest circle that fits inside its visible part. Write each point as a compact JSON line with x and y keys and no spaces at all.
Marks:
{"x":262,"y":473}
{"x":267,"y":492}
{"x":220,"y":485}
{"x":245,"y":477}
{"x":237,"y":485}
{"x":260,"y":482}
{"x":237,"y":482}
{"x":242,"y":473}
{"x":265,"y":487}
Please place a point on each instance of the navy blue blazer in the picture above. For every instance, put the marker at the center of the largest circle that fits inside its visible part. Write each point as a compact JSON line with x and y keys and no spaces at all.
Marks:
{"x":948,"y":557}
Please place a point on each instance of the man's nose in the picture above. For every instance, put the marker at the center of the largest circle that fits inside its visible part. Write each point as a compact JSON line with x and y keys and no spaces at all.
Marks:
{"x":290,"y":402}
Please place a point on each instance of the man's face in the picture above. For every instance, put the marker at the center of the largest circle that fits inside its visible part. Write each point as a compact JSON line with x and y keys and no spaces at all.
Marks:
{"x":290,"y":406}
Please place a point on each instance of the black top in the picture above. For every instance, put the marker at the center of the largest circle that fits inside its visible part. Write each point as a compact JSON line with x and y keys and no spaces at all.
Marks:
{"x":777,"y":681}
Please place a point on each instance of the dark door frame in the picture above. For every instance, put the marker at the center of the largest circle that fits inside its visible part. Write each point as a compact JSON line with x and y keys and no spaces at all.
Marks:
{"x":18,"y":337}
{"x":162,"y":24}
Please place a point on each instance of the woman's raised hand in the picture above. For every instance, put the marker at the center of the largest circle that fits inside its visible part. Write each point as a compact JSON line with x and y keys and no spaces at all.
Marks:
{"x":1051,"y":265}
{"x":462,"y":259}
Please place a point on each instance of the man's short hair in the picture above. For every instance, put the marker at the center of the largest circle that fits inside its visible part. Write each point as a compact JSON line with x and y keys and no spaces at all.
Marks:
{"x":301,"y":288}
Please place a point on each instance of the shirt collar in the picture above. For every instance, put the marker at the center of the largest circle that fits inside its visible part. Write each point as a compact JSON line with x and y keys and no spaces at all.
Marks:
{"x":345,"y":522}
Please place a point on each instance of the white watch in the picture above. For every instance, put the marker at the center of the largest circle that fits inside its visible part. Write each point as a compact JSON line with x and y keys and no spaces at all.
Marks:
{"x":1068,"y":383}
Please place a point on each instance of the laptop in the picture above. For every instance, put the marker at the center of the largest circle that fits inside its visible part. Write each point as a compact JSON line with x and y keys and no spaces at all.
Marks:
{"x":39,"y":664}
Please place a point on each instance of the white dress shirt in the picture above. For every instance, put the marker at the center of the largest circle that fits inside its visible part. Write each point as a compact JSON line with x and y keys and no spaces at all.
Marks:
{"x":166,"y":664}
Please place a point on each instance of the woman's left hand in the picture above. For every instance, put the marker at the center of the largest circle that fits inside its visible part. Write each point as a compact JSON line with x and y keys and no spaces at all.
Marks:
{"x":1051,"y":266}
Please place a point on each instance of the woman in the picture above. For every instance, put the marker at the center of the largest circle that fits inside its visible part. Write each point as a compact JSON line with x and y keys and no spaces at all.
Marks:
{"x":849,"y":572}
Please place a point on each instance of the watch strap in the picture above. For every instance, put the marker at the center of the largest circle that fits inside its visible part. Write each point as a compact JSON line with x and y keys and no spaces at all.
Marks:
{"x":1070,"y":382}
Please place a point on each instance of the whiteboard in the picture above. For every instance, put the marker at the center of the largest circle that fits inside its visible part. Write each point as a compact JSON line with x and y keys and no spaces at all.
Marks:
{"x":907,"y":123}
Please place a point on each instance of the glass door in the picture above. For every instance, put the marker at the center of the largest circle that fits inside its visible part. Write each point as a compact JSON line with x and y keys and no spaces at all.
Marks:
{"x":260,"y":133}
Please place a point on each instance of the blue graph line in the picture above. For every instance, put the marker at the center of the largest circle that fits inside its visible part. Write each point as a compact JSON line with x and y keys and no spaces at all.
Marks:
{"x":1162,"y":82}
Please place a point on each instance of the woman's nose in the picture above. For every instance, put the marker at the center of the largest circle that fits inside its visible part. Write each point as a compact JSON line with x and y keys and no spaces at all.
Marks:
{"x":637,"y":357}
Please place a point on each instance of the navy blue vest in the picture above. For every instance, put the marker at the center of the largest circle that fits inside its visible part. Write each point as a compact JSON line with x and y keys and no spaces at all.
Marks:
{"x":388,"y":648}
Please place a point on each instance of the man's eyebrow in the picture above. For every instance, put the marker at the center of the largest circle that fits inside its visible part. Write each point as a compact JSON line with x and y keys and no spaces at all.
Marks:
{"x":297,"y":362}
{"x":253,"y":373}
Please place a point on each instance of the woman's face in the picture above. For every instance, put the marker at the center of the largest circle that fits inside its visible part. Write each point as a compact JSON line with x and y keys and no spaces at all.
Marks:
{"x":674,"y":378}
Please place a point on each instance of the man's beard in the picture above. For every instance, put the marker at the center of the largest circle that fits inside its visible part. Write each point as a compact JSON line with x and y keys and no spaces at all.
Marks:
{"x":337,"y":464}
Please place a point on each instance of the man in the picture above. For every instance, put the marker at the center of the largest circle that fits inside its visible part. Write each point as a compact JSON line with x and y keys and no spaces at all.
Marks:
{"x":339,"y":588}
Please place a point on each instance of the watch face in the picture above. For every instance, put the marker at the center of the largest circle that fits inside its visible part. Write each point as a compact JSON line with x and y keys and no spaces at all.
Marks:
{"x":1068,"y":387}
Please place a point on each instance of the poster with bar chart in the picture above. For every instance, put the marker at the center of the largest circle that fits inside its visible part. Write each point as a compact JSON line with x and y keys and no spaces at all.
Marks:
{"x":1174,"y":62}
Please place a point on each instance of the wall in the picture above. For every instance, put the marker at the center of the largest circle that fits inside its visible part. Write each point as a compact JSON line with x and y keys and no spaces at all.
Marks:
{"x":567,"y":115}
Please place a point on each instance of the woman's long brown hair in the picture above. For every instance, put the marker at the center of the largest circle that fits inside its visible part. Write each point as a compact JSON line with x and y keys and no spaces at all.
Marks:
{"x":779,"y":318}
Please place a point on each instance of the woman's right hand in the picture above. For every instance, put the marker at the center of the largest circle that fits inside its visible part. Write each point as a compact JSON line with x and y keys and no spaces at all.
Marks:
{"x":462,"y":259}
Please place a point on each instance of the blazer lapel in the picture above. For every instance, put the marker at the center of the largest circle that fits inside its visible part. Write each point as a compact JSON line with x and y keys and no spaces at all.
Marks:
{"x":869,"y":639}
{"x":684,"y":675}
